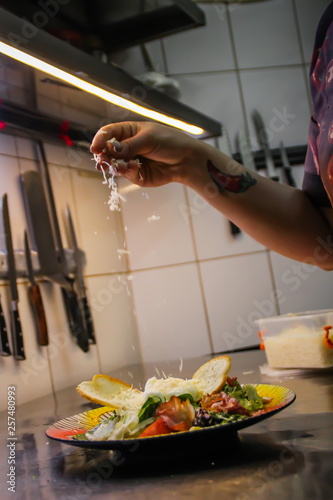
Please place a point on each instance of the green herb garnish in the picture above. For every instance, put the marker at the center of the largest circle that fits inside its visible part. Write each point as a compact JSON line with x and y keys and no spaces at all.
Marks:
{"x":148,"y":409}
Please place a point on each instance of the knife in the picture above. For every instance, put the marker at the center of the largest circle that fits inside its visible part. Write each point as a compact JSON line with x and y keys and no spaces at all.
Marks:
{"x":72,"y":306}
{"x":80,"y":280}
{"x":245,"y":151}
{"x":35,"y":298}
{"x":50,"y":264}
{"x":16,"y":330}
{"x":264,"y":143}
{"x":4,"y":345}
{"x":223,"y":144}
{"x":286,"y":166}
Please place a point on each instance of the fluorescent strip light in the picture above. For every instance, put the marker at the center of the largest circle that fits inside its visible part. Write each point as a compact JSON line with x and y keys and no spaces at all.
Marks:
{"x":19,"y":55}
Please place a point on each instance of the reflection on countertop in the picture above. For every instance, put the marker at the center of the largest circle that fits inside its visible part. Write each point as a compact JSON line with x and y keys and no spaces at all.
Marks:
{"x":288,"y":456}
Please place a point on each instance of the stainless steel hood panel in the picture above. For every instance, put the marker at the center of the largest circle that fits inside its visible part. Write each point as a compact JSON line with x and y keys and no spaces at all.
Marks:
{"x":27,"y":37}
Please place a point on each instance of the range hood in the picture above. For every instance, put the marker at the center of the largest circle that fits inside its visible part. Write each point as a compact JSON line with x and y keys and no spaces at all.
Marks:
{"x":24,"y":41}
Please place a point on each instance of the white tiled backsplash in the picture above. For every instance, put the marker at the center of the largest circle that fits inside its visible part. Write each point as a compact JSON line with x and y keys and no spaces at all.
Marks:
{"x":165,"y":277}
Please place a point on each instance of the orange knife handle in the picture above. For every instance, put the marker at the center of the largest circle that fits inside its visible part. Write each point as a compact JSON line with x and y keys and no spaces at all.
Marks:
{"x":39,"y":314}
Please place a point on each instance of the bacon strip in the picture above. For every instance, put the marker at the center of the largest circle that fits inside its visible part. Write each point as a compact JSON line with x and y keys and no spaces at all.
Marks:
{"x":222,"y":402}
{"x":178,"y":415}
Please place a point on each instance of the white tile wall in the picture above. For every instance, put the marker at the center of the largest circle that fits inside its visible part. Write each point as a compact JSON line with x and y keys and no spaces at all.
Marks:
{"x":203,"y":49}
{"x":238,"y":290}
{"x":32,"y":376}
{"x":216,"y":95}
{"x":212,"y":232}
{"x":309,"y":13}
{"x":279,"y":94}
{"x":100,"y":229}
{"x":170,"y":313}
{"x":265,"y":34}
{"x":303,"y":287}
{"x":157,"y":232}
{"x":114,"y":320}
{"x":186,"y":287}
{"x":99,"y":233}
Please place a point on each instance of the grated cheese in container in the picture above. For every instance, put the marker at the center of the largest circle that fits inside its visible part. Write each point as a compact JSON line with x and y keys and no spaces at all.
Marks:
{"x":300,"y":340}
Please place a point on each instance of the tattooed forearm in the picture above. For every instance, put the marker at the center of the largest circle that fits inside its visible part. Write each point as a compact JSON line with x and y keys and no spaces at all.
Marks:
{"x":233,"y":183}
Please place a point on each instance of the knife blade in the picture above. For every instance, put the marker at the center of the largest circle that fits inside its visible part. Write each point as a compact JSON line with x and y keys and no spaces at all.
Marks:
{"x":80,"y":280}
{"x":69,"y":295}
{"x":4,"y":345}
{"x":35,"y":298}
{"x":223,"y":144}
{"x":245,"y":151}
{"x":16,"y":329}
{"x":41,"y":229}
{"x":264,"y":143}
{"x":286,"y":166}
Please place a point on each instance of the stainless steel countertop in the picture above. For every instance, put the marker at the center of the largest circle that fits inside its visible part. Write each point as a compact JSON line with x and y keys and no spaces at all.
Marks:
{"x":288,"y":456}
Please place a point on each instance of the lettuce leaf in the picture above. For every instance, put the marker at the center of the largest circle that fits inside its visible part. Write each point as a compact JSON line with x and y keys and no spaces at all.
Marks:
{"x":247,"y":396}
{"x":148,"y":409}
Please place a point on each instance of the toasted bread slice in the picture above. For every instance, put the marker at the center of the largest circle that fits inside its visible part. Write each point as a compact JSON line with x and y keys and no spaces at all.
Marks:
{"x":110,"y":391}
{"x":211,"y":376}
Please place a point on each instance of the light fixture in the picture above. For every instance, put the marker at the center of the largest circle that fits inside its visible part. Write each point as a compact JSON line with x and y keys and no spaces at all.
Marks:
{"x":22,"y":41}
{"x":25,"y":58}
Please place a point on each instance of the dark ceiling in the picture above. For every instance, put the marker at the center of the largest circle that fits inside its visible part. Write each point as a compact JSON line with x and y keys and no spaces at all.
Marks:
{"x":108,"y":25}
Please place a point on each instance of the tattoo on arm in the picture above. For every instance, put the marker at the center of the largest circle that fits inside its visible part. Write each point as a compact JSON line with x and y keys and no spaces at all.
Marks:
{"x":228,"y":182}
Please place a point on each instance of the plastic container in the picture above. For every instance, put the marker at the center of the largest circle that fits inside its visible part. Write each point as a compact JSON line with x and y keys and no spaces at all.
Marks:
{"x":302,"y":340}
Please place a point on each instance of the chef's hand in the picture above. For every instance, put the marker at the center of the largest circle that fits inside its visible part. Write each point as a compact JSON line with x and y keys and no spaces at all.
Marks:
{"x":166,"y":154}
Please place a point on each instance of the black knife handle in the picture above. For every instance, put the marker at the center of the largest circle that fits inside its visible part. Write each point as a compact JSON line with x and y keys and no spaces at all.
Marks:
{"x":4,"y":345}
{"x":75,"y":320}
{"x":290,"y":178}
{"x":234,"y":229}
{"x":88,"y":320}
{"x":18,"y":348}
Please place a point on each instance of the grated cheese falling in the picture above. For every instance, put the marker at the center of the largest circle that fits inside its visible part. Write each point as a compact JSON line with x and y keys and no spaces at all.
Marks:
{"x":152,"y":218}
{"x":109,"y":174}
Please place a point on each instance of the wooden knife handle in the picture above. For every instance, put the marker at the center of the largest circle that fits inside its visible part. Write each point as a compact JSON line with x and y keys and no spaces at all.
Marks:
{"x":36,"y":302}
{"x":88,"y":320}
{"x":75,"y":319}
{"x":18,"y":348}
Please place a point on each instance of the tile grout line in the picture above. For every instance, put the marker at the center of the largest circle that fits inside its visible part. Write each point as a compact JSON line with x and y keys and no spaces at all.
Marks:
{"x":78,"y":229}
{"x":47,"y":347}
{"x":162,"y":266}
{"x":237,"y":72}
{"x":54,"y":392}
{"x":177,"y":264}
{"x":203,"y":296}
{"x":271,"y":272}
{"x":300,"y":46}
{"x":129,"y":284}
{"x":233,"y":70}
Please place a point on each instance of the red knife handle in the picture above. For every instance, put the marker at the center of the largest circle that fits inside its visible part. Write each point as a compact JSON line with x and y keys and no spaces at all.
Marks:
{"x":36,"y":302}
{"x":17,"y":339}
{"x":88,"y":320}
